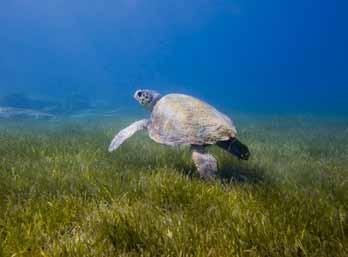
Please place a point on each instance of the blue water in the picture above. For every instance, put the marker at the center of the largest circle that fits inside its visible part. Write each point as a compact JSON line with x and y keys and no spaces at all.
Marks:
{"x":248,"y":56}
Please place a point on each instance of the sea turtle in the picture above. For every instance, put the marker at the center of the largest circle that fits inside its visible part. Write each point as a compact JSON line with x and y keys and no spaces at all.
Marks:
{"x":178,"y":119}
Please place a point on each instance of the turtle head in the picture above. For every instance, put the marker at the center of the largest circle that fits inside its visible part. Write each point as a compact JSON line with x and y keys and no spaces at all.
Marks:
{"x":147,"y":98}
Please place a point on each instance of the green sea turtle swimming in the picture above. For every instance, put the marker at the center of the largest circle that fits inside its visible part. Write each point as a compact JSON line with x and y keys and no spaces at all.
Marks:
{"x":178,"y":119}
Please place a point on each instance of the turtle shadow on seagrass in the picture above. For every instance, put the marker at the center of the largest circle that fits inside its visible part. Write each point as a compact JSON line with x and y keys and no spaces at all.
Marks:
{"x":178,"y":119}
{"x":231,"y":171}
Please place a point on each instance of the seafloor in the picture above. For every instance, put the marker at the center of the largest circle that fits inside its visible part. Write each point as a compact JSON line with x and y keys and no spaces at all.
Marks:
{"x":63,"y":194}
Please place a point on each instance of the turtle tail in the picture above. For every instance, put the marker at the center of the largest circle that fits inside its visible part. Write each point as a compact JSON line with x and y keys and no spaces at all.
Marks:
{"x":235,"y":147}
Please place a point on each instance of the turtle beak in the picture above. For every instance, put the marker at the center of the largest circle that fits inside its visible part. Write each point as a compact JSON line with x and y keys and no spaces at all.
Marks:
{"x":137,"y":94}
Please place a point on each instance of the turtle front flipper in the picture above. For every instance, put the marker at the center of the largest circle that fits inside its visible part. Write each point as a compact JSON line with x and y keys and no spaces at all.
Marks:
{"x":127,"y":132}
{"x":206,"y":163}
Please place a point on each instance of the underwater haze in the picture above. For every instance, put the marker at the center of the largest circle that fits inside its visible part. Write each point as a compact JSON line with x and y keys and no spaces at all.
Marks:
{"x":247,"y":56}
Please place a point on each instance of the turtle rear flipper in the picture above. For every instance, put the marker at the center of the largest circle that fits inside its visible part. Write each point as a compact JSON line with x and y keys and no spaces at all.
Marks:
{"x":235,"y":147}
{"x":205,"y":163}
